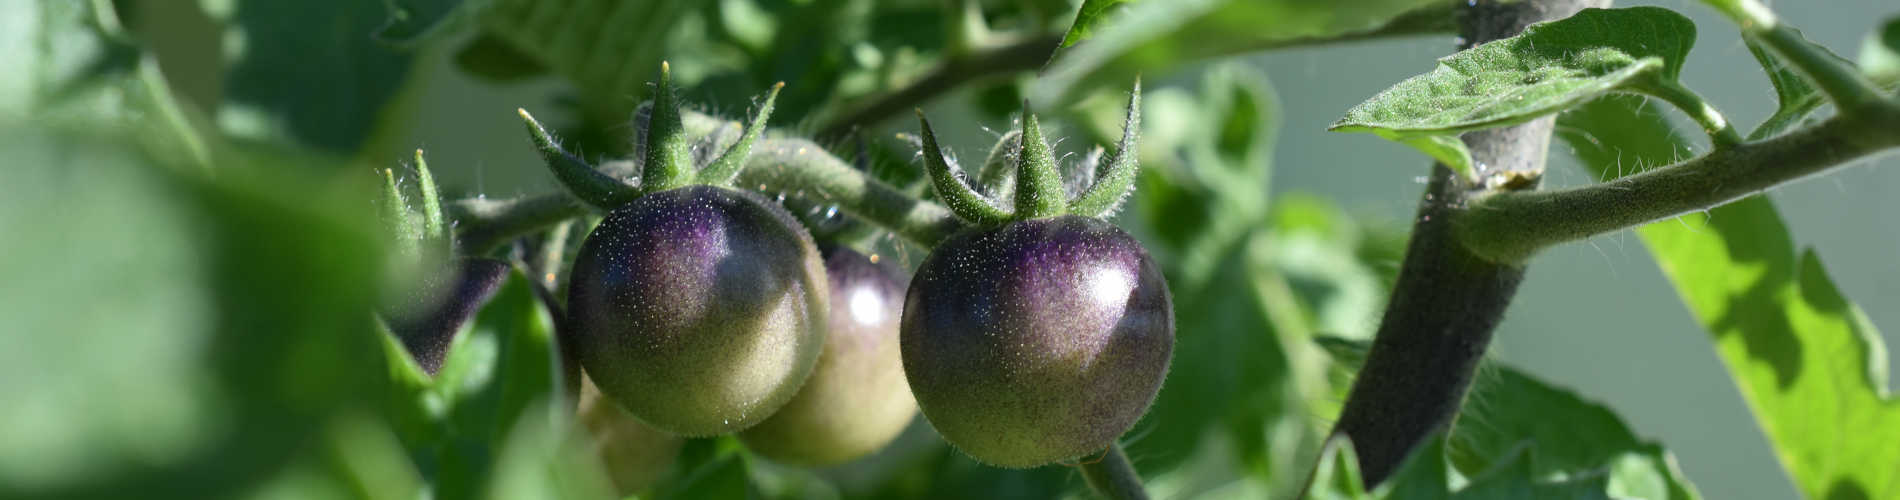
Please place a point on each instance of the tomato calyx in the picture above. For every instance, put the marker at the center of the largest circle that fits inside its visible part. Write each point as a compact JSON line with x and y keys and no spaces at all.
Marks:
{"x":668,"y":163}
{"x":1039,"y":192}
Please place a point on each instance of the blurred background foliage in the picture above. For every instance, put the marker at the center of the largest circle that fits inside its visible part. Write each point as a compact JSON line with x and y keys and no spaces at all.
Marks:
{"x":193,"y":247}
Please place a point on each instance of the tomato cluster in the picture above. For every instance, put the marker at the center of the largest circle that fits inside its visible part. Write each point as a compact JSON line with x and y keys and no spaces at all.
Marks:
{"x":1037,"y":334}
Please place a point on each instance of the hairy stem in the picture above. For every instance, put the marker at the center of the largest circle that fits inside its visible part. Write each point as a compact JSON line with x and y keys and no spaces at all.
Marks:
{"x":1721,"y":132}
{"x":482,"y":224}
{"x":1447,"y":301}
{"x":1112,"y":476}
{"x":784,"y":165}
{"x":799,"y":167}
{"x":1509,"y":227}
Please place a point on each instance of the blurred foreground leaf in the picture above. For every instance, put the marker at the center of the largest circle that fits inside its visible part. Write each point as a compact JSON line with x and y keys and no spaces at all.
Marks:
{"x":1808,"y":362}
{"x":310,"y":73}
{"x":501,"y":376}
{"x":163,"y":326}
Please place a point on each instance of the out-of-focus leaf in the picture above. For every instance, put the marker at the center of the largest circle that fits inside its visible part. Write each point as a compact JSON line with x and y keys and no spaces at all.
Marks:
{"x":309,"y":73}
{"x":1880,"y":54}
{"x":161,"y":324}
{"x":708,"y":468}
{"x":1807,"y":361}
{"x":495,"y":60}
{"x":540,"y":457}
{"x":1092,"y":15}
{"x":61,"y":51}
{"x":1550,"y":67}
{"x":1152,"y":36}
{"x":1509,"y":416}
{"x":413,"y":21}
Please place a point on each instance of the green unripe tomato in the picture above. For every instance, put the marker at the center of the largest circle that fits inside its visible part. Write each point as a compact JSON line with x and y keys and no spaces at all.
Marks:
{"x":1037,"y":341}
{"x":635,"y":455}
{"x":856,"y":400}
{"x":700,"y":310}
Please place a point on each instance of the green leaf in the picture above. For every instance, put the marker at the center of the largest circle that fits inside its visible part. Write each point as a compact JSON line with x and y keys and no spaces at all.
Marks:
{"x":1807,"y":361}
{"x":310,"y":73}
{"x":1107,"y":48}
{"x":151,"y":312}
{"x":1550,"y":67}
{"x":1093,"y":15}
{"x":1797,"y":98}
{"x":1425,"y":476}
{"x":608,"y":49}
{"x":1880,"y":54}
{"x":1545,"y":432}
{"x":493,"y":59}
{"x":1448,"y":150}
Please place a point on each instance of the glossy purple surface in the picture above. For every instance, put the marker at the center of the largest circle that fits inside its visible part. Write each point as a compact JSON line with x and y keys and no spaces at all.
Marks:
{"x":856,"y":400}
{"x":1038,"y":341}
{"x":699,"y":309}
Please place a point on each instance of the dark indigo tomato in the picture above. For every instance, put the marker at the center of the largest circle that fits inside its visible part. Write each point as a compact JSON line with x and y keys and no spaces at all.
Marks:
{"x":1038,"y":340}
{"x":700,"y":310}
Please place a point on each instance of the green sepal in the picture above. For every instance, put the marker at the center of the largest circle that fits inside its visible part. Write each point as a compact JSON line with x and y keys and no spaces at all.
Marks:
{"x":1115,"y":176}
{"x":1039,"y":190}
{"x":722,"y":170}
{"x":402,"y":223}
{"x":433,"y":225}
{"x":583,"y":180}
{"x":950,"y":186}
{"x":669,"y":161}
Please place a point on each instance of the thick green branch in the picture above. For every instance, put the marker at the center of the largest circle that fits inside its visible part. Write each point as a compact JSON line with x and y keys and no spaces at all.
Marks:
{"x":1509,"y":227}
{"x":1447,"y":301}
{"x":1112,"y":476}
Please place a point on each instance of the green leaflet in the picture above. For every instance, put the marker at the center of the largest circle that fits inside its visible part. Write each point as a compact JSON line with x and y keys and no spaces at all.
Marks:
{"x":608,"y":48}
{"x":1520,"y":430}
{"x":1425,"y":476}
{"x":1807,"y":361}
{"x":1149,"y":37}
{"x":310,"y":73}
{"x":1796,"y":96}
{"x":1880,"y":54}
{"x":1093,"y":14}
{"x":1548,"y":68}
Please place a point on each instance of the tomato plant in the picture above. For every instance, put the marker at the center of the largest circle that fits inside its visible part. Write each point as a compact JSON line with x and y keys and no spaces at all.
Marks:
{"x":300,"y":249}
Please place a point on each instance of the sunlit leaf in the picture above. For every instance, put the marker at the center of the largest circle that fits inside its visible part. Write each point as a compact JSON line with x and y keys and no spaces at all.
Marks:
{"x":1550,"y":67}
{"x":1807,"y":361}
